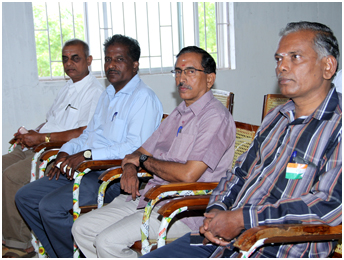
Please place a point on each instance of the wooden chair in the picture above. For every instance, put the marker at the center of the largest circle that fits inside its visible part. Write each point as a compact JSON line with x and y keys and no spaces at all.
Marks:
{"x":255,"y":237}
{"x":225,"y":97}
{"x":271,"y":101}
{"x":245,"y":134}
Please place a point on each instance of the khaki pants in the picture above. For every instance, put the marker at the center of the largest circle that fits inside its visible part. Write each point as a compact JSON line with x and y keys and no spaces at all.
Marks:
{"x":16,"y":172}
{"x":112,"y":229}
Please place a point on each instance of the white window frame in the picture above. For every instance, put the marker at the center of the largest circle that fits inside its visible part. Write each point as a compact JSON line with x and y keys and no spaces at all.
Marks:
{"x":224,"y":36}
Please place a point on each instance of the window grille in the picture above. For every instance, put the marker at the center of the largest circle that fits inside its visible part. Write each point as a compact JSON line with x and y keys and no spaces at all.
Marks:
{"x":161,"y":28}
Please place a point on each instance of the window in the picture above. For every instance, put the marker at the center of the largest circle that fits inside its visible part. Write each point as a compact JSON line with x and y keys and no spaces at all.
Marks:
{"x":161,"y":28}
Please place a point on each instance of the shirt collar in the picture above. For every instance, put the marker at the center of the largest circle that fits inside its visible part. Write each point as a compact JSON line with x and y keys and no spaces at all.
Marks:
{"x":79,"y":85}
{"x":198,"y":105}
{"x":323,"y":112}
{"x":128,"y":88}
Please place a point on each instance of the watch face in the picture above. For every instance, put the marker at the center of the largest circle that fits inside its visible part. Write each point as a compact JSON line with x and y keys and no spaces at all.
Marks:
{"x":87,"y":154}
{"x":143,"y":157}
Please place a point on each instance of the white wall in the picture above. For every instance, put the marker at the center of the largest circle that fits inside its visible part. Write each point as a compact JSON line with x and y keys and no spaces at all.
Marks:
{"x":25,"y":99}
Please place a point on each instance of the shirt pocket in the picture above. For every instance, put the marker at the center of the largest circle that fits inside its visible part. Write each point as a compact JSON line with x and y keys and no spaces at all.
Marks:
{"x":115,"y":131}
{"x":181,"y":148}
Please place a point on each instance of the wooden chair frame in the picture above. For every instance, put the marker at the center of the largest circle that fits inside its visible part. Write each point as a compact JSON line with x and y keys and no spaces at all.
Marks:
{"x":271,"y":101}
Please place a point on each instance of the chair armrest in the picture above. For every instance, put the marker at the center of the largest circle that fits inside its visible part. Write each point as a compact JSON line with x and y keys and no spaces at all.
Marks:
{"x":98,"y":164}
{"x":50,"y":145}
{"x":12,"y":141}
{"x":193,"y":203}
{"x":106,"y":175}
{"x":287,"y":233}
{"x":153,"y":192}
{"x":47,"y":154}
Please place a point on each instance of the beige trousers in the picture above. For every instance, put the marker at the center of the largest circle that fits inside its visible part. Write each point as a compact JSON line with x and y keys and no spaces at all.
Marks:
{"x":16,"y":172}
{"x":112,"y":229}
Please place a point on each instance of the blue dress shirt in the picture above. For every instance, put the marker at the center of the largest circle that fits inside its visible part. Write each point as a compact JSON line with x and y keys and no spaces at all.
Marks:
{"x":122,"y":122}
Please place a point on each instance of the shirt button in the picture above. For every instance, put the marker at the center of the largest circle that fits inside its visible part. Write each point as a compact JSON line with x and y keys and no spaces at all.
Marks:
{"x":260,"y":179}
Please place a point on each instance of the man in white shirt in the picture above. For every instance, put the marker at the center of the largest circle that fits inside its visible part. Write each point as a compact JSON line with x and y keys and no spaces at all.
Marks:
{"x":128,"y":112}
{"x":69,"y":115}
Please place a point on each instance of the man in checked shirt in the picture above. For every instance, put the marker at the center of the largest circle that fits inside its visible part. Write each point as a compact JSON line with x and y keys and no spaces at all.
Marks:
{"x":263,"y":187}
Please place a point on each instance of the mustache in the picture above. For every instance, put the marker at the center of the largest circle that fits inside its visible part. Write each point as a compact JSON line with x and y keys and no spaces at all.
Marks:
{"x":182,"y":84}
{"x":113,"y":70}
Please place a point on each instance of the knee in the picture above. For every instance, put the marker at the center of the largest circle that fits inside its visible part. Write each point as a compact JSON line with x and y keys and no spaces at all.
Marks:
{"x":78,"y":228}
{"x":20,"y":196}
{"x":103,"y":243}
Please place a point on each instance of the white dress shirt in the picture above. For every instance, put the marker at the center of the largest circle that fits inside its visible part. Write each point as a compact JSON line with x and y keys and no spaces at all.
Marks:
{"x":74,"y":105}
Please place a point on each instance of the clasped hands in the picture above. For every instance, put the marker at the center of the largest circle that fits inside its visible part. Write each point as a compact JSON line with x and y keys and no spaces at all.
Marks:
{"x":220,"y":227}
{"x":68,"y":165}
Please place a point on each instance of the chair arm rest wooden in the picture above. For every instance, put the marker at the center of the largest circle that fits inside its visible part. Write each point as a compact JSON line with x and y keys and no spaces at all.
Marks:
{"x":50,"y":145}
{"x":47,"y":154}
{"x":110,"y":172}
{"x":287,"y":233}
{"x":12,"y":141}
{"x":98,"y":164}
{"x":193,"y":203}
{"x":153,"y":192}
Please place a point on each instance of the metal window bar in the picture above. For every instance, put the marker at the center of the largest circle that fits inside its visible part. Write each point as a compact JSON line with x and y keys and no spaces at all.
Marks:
{"x":46,"y":15}
{"x":180,"y":19}
{"x":148,"y":39}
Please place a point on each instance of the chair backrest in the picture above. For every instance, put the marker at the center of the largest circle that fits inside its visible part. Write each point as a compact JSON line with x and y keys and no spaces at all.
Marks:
{"x":271,"y":101}
{"x":225,"y":97}
{"x":244,"y":136}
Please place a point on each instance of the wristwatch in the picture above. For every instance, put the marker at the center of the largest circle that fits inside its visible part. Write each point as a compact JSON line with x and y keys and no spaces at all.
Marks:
{"x":88,"y":155}
{"x":47,"y":138}
{"x":142,"y":159}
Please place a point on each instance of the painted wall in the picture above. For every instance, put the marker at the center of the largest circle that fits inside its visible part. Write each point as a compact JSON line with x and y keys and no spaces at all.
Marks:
{"x":25,"y":99}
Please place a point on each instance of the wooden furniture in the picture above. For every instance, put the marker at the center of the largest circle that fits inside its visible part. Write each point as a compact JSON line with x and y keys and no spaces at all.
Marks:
{"x":244,"y":136}
{"x":225,"y":97}
{"x":271,"y":101}
{"x":255,"y":237}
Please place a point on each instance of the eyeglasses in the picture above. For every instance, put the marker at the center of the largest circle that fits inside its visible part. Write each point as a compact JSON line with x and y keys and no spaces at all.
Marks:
{"x":188,"y":72}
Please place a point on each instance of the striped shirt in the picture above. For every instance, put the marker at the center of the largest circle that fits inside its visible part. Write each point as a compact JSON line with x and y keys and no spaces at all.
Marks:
{"x":258,"y":182}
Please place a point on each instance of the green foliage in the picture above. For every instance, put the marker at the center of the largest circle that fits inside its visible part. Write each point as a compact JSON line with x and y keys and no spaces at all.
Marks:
{"x":55,"y":37}
{"x":210,"y":27}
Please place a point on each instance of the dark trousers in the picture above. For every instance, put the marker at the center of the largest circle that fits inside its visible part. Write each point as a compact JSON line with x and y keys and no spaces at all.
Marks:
{"x":181,"y":248}
{"x":45,"y":207}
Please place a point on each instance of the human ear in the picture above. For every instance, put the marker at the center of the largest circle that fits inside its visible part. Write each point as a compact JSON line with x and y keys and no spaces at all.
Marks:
{"x":89,"y":60}
{"x":210,"y":80}
{"x":136,"y":66}
{"x":329,"y":67}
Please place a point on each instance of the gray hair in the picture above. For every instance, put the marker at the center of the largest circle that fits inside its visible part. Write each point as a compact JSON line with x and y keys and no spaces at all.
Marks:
{"x":77,"y":42}
{"x":325,"y":43}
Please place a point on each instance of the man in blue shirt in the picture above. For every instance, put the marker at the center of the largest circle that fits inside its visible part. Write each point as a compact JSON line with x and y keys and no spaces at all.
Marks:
{"x":128,"y":112}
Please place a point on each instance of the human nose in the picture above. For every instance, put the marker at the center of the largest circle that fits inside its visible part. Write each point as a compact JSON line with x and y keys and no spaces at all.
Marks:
{"x":283,"y":65}
{"x":183,"y":75}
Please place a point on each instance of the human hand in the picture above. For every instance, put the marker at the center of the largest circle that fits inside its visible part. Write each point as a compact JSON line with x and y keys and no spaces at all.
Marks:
{"x":129,"y":180}
{"x":70,"y":163}
{"x":30,"y":139}
{"x":61,"y":157}
{"x":132,"y":158}
{"x":220,"y":227}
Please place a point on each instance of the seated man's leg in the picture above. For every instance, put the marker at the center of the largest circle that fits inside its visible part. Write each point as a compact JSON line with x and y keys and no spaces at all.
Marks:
{"x":181,"y":248}
{"x":28,"y":199}
{"x":115,"y":227}
{"x":54,"y":212}
{"x":16,"y":155}
{"x":14,"y":229}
